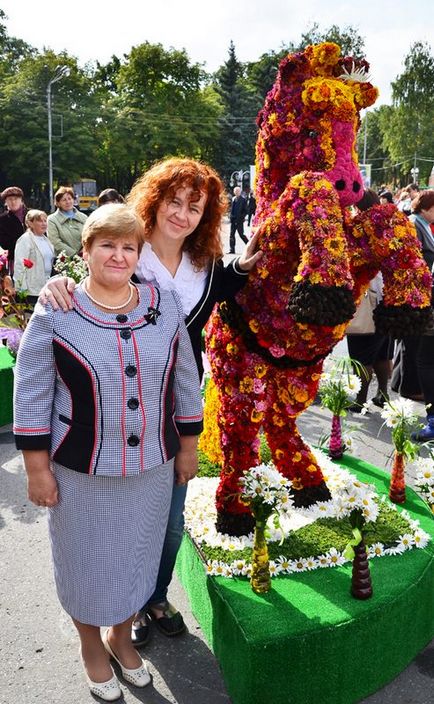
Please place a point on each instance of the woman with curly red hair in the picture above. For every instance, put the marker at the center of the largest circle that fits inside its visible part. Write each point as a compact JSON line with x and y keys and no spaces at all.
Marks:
{"x":181,"y":202}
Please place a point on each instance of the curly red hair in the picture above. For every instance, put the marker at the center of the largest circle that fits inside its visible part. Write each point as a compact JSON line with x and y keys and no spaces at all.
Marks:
{"x":162,"y":181}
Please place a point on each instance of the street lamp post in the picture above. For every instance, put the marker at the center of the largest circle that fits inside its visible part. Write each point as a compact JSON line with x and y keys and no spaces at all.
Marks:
{"x":61,"y":72}
{"x":237,"y":177}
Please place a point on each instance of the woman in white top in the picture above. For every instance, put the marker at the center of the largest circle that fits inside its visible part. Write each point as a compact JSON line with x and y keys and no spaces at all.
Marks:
{"x":34,"y":256}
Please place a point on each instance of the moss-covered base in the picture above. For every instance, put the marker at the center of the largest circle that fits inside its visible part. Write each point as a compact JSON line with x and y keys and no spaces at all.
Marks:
{"x":308,"y":640}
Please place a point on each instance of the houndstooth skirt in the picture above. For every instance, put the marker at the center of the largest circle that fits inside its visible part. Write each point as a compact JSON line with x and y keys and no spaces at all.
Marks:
{"x":106,"y":538}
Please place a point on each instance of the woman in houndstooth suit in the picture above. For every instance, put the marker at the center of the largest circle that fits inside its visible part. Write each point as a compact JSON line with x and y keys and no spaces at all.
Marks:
{"x":107,"y":400}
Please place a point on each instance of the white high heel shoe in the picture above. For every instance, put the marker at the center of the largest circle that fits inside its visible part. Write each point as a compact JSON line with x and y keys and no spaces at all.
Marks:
{"x":108,"y":691}
{"x":138,"y":676}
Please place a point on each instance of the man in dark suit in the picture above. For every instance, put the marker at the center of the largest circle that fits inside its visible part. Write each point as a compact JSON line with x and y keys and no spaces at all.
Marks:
{"x":251,"y":207}
{"x":238,"y":214}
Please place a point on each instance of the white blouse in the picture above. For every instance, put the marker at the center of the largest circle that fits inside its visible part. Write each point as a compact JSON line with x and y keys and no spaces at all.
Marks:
{"x":188,"y":282}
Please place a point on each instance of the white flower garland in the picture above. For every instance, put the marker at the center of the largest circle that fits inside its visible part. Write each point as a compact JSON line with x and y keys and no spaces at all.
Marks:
{"x":347,"y":492}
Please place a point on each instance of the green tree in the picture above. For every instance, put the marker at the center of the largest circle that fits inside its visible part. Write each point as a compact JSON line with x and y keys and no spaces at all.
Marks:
{"x":408,"y":127}
{"x":158,"y":106}
{"x":348,"y":38}
{"x":371,"y":149}
{"x":24,"y":120}
{"x":237,"y":127}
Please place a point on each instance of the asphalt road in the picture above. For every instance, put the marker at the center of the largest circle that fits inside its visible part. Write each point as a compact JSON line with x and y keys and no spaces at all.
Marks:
{"x":39,"y":660}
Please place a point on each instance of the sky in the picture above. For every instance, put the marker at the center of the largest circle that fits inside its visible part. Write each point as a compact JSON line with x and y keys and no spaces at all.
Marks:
{"x":97,"y":29}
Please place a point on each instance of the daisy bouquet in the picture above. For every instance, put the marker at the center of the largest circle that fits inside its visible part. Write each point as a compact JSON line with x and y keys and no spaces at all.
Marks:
{"x":338,"y":389}
{"x":425,"y":479}
{"x":399,"y":415}
{"x":267,"y":493}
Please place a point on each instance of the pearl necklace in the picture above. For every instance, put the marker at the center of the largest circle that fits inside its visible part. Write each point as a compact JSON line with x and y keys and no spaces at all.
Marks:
{"x":104,"y":305}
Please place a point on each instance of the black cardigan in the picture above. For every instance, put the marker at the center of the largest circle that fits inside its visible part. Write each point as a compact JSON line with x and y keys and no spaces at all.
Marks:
{"x":222,"y":283}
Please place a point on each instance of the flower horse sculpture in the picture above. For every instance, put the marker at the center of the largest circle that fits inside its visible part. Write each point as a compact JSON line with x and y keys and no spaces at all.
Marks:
{"x":267,"y":347}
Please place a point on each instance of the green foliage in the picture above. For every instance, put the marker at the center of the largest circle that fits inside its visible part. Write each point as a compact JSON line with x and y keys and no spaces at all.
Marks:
{"x":407,"y":128}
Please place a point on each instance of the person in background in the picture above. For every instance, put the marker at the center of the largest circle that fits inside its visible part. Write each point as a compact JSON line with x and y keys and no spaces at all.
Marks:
{"x":12,"y":220}
{"x":385,"y":197}
{"x":110,"y":195}
{"x":238,"y":214}
{"x":182,"y":203}
{"x":107,"y":410}
{"x":251,"y":207}
{"x":409,"y":359}
{"x":412,"y":190}
{"x":66,"y":224}
{"x":373,"y":351}
{"x":423,"y":218}
{"x":35,"y":247}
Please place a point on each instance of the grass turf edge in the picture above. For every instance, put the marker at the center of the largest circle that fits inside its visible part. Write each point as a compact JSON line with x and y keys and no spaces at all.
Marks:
{"x":308,"y":640}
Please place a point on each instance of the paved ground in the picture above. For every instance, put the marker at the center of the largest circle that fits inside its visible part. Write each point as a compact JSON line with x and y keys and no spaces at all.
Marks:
{"x":39,"y":660}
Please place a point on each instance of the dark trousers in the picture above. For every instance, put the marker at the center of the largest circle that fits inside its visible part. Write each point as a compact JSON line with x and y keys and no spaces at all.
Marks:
{"x":425,"y":368}
{"x":405,"y":377}
{"x":236,"y":227}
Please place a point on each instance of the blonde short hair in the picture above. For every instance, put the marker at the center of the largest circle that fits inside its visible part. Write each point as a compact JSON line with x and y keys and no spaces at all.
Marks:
{"x":114,"y":220}
{"x":33,"y":215}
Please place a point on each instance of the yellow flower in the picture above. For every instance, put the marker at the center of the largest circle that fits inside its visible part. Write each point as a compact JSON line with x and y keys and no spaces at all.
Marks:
{"x":315,"y":277}
{"x":256,"y":416}
{"x":297,"y":483}
{"x":278,"y":420}
{"x":231,"y":348}
{"x":296,"y":457}
{"x":335,"y":245}
{"x":260,"y":370}
{"x":254,"y":325}
{"x":279,"y":454}
{"x":246,"y":385}
{"x":272,"y":119}
{"x":283,"y":395}
{"x":312,"y":468}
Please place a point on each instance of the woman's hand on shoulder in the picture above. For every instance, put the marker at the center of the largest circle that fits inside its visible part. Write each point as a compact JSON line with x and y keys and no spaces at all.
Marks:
{"x":58,"y":292}
{"x":251,"y":254}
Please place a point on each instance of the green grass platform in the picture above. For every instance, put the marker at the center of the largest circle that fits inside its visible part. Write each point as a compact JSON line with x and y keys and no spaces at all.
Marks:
{"x":7,"y":362}
{"x":308,"y":641}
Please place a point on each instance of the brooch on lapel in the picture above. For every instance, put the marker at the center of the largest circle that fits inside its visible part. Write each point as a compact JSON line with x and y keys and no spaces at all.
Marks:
{"x":152,"y":315}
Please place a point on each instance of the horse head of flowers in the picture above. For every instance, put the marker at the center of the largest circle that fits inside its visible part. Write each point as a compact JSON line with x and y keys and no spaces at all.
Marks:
{"x":310,"y":120}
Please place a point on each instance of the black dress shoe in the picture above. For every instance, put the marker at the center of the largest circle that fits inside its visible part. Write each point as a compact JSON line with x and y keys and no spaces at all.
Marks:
{"x":171,"y":623}
{"x":141,"y":630}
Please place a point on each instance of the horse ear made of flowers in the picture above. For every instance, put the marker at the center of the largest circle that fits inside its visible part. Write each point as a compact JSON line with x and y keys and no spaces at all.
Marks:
{"x":267,"y":347}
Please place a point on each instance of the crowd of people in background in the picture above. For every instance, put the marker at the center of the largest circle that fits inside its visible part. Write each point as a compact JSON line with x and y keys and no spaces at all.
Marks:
{"x":407,"y":364}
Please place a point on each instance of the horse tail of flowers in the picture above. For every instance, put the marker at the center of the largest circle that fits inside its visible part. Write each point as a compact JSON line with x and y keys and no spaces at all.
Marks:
{"x":209,"y":441}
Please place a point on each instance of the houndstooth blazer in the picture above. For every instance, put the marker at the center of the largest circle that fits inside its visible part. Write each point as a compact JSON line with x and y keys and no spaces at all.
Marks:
{"x":107,"y":394}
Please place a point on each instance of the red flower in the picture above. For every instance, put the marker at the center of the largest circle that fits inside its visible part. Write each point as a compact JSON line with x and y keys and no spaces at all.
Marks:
{"x":28,"y":263}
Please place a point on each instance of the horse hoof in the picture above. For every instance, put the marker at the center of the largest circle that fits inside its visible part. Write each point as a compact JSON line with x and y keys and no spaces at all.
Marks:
{"x":321,"y":305}
{"x":309,"y":495}
{"x":235,"y":524}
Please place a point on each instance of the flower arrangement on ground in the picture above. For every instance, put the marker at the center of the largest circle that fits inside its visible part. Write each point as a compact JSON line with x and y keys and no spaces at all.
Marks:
{"x":399,"y":415}
{"x":15,"y":310}
{"x":267,"y":493}
{"x":290,"y":545}
{"x":73,"y":266}
{"x":338,"y":389}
